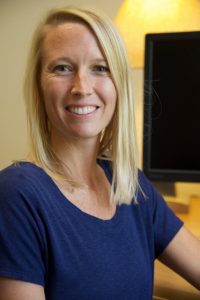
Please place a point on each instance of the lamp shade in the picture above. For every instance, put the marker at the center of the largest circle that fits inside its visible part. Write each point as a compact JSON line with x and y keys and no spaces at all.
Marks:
{"x":136,"y":18}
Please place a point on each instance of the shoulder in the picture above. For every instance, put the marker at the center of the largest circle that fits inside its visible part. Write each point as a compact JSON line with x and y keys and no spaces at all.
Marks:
{"x":12,"y":177}
{"x":22,"y":198}
{"x":152,"y":204}
{"x":143,"y":181}
{"x":18,"y":172}
{"x":145,"y":184}
{"x":20,"y":181}
{"x":147,"y":191}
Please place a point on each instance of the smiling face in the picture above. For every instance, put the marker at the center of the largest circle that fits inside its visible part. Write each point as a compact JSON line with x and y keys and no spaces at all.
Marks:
{"x":77,"y":87}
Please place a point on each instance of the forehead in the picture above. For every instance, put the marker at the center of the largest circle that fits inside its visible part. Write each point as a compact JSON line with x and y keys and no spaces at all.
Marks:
{"x":70,"y":35}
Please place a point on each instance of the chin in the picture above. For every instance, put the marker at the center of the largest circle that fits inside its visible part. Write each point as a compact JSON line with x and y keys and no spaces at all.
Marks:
{"x":83,"y":134}
{"x":90,"y":132}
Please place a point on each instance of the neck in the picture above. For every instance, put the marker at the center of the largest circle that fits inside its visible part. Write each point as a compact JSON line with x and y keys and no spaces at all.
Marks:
{"x":78,"y":156}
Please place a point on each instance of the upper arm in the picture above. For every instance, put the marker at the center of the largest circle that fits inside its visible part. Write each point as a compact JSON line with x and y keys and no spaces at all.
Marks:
{"x":183,"y":256}
{"x":20,"y":290}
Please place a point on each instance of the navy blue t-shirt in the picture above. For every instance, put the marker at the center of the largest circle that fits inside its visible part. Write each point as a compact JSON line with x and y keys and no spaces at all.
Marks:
{"x":47,"y":240}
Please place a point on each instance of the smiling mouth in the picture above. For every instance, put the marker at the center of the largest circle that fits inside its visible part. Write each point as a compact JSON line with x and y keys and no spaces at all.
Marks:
{"x":85,"y":110}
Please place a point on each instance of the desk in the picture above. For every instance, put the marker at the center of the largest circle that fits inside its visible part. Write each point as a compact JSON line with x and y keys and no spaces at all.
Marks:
{"x":169,"y":285}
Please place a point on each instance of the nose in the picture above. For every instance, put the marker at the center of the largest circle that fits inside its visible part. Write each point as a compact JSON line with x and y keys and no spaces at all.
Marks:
{"x":82,"y":84}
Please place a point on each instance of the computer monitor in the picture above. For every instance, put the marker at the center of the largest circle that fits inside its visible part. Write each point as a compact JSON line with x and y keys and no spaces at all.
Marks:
{"x":171,"y":139}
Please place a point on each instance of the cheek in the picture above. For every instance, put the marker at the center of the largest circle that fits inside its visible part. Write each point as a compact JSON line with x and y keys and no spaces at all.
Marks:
{"x":53,"y":92}
{"x":112,"y":97}
{"x":108,"y":91}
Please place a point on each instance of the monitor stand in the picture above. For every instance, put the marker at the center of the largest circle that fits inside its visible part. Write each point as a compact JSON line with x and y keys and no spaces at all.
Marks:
{"x":168,"y":191}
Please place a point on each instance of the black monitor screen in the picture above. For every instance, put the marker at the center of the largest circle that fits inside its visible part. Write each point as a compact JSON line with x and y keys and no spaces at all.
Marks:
{"x":172,"y":107}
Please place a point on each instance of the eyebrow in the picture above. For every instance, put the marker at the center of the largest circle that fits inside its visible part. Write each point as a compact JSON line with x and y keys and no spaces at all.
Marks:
{"x":63,"y":58}
{"x":100,"y":60}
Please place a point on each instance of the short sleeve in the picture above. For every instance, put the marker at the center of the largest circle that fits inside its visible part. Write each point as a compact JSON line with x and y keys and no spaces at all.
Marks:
{"x":21,"y":236}
{"x":165,"y":224}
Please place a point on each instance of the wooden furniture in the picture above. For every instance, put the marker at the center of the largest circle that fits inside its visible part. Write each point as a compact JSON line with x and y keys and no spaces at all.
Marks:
{"x":169,"y":285}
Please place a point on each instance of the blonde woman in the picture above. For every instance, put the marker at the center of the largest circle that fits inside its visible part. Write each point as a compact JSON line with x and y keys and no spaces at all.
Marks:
{"x":77,"y":218}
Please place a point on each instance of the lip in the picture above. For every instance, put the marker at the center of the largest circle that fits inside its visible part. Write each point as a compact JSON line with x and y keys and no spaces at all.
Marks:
{"x":81,"y":105}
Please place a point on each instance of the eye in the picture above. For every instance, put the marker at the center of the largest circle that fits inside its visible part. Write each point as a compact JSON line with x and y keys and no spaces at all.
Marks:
{"x":101,"y":69}
{"x":62,"y":69}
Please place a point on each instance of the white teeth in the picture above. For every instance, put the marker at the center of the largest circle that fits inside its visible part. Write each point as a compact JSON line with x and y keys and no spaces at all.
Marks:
{"x":82,"y":110}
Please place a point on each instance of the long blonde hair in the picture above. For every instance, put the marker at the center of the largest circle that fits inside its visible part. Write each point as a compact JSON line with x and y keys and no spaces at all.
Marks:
{"x":118,"y":140}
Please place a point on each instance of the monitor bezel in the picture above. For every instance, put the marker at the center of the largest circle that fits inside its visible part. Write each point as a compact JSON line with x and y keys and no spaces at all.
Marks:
{"x":169,"y":175}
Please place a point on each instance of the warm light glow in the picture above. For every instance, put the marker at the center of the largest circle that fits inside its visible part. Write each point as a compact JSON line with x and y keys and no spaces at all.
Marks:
{"x":138,"y":17}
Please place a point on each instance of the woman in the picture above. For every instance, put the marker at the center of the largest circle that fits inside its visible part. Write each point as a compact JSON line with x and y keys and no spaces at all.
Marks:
{"x":77,"y":219}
